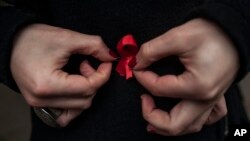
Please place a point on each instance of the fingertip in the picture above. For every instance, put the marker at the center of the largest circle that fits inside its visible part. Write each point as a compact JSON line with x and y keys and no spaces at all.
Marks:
{"x":86,"y":69}
{"x":67,"y":116}
{"x":62,"y":121}
{"x":113,"y":55}
{"x":137,"y":65}
{"x":139,"y":74}
{"x":207,"y":122}
{"x":102,"y":74}
{"x":146,"y":98}
{"x":143,"y":96}
{"x":105,"y":68}
{"x":213,"y":118}
{"x":137,"y":61}
{"x":84,"y":63}
{"x":143,"y":102}
{"x":147,"y":104}
{"x":105,"y":54}
{"x":210,"y":121}
{"x":132,"y":63}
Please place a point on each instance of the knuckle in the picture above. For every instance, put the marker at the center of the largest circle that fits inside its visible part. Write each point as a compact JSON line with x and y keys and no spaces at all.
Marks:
{"x":210,"y":95}
{"x":178,"y":36}
{"x":34,"y":102}
{"x":223,"y":112}
{"x":87,"y":104}
{"x":174,"y":131}
{"x":103,"y":79}
{"x":97,"y":40}
{"x":156,"y":91}
{"x":146,"y":51}
{"x":95,"y":84}
{"x":64,"y":122}
{"x":40,"y":90}
{"x":146,"y":116}
{"x":174,"y":33}
{"x":196,"y":129}
{"x":206,"y":91}
{"x":64,"y":34}
{"x":89,"y":92}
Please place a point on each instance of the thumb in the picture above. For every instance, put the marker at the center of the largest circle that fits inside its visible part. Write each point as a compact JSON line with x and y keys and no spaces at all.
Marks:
{"x":160,"y":47}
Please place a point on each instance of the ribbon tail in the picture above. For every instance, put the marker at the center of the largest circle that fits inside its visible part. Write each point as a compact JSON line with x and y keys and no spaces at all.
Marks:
{"x":120,"y":68}
{"x":129,"y":73}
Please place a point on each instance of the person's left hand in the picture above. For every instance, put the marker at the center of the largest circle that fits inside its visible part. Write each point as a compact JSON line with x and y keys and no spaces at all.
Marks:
{"x":211,"y":64}
{"x":188,"y":116}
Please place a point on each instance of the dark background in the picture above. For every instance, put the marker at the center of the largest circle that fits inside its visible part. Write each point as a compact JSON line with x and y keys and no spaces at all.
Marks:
{"x":15,"y":113}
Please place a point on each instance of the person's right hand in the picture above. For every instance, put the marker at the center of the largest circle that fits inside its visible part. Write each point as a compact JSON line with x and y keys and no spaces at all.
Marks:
{"x":39,"y":53}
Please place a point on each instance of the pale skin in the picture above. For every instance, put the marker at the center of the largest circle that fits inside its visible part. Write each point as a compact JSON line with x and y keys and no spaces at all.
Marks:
{"x":40,"y":51}
{"x":211,"y":64}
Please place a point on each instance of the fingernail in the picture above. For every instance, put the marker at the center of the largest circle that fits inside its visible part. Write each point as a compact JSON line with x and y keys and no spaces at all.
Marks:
{"x":151,"y":130}
{"x":117,"y":59}
{"x":112,"y":54}
{"x":132,"y":63}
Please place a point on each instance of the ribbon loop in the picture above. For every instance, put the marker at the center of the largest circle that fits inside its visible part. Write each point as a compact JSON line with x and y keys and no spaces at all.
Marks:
{"x":127,"y":48}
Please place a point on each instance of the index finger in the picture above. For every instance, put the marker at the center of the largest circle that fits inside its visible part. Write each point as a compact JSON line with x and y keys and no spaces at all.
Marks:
{"x":91,"y":45}
{"x":170,"y":43}
{"x":175,"y":86}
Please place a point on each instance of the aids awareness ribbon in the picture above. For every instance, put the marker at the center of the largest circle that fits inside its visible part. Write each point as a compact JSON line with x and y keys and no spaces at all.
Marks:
{"x":127,"y":48}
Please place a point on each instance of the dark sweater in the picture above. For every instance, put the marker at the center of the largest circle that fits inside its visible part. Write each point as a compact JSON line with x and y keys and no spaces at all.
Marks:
{"x":116,"y":111}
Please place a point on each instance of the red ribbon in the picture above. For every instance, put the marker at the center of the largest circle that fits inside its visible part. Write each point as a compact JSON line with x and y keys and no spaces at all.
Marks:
{"x":127,"y":48}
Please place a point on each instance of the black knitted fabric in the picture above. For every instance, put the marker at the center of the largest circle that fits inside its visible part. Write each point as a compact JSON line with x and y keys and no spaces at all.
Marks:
{"x":116,"y":110}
